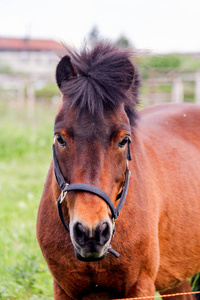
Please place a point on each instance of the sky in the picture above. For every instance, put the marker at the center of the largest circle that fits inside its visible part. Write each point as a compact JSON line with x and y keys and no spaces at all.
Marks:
{"x":160,"y":26}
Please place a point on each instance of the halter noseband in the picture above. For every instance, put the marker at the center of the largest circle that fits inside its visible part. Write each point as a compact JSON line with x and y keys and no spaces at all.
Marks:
{"x":83,"y":187}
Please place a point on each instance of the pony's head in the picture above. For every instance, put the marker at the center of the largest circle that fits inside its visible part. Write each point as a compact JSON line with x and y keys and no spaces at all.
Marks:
{"x":92,"y":131}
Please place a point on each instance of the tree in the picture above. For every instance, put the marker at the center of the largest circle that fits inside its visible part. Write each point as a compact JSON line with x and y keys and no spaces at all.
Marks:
{"x":123,"y":41}
{"x":93,"y":36}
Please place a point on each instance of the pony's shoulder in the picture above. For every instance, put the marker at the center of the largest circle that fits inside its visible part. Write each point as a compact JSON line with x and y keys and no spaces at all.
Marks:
{"x":170,"y":111}
{"x":169,"y":120}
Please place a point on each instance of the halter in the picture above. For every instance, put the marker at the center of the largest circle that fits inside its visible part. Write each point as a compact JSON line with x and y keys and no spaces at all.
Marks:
{"x":83,"y":187}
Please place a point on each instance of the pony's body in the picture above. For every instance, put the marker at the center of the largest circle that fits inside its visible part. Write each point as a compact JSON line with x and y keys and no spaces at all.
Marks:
{"x":157,"y":232}
{"x":171,"y":142}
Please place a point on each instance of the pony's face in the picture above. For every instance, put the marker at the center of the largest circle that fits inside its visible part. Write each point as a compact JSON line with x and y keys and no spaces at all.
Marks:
{"x":92,"y":128}
{"x":92,"y":150}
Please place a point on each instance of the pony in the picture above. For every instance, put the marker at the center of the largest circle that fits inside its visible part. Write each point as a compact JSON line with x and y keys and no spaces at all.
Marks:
{"x":119,"y":214}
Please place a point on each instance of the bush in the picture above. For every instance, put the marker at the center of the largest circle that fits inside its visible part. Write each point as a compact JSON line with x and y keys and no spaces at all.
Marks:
{"x":48,"y":91}
{"x":167,"y":61}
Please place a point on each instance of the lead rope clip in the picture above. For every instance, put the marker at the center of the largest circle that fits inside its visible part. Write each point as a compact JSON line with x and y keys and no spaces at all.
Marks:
{"x":63,"y":194}
{"x":113,"y":227}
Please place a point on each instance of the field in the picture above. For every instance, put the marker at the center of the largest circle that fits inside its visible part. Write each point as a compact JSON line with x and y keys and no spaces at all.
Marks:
{"x":25,"y":155}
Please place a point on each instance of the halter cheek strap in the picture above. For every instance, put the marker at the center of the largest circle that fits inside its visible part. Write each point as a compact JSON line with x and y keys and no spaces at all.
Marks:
{"x":83,"y":187}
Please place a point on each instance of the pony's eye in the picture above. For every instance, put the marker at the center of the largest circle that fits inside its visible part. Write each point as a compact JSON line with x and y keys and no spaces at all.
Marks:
{"x":123,"y":142}
{"x":60,"y":140}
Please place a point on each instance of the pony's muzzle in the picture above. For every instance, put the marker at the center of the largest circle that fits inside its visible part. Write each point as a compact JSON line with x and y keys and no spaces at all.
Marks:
{"x":91,"y":244}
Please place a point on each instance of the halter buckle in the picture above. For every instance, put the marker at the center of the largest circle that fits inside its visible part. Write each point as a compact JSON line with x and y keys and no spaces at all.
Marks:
{"x":113,"y":226}
{"x":63,"y":194}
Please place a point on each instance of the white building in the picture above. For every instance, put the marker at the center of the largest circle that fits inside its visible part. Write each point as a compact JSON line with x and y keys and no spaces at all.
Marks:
{"x":29,"y":55}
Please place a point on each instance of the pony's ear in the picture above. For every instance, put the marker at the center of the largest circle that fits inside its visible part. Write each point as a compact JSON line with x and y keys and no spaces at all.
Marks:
{"x":64,"y":71}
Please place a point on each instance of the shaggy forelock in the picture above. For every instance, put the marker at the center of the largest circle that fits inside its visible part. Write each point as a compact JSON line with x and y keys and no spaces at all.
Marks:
{"x":103,"y":81}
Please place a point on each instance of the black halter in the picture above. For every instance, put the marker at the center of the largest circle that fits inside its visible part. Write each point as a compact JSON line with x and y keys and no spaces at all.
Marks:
{"x":83,"y":187}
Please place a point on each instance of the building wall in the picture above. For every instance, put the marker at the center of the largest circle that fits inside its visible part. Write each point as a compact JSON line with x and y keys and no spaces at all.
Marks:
{"x":31,"y":62}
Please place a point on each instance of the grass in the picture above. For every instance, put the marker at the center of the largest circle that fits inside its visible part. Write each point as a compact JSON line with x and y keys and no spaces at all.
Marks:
{"x":25,"y":155}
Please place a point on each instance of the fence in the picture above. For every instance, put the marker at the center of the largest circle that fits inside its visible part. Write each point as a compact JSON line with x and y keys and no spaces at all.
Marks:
{"x":22,"y":90}
{"x":176,"y":82}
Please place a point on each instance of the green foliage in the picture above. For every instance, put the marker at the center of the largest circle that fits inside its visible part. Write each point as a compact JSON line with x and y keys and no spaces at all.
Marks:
{"x":49,"y":91}
{"x":163,"y":64}
{"x":93,"y":36}
{"x":5,"y":69}
{"x":189,"y":63}
{"x":24,"y":283}
{"x":168,"y":66}
{"x":195,"y":282}
{"x":25,"y":154}
{"x":167,"y":61}
{"x":123,"y":42}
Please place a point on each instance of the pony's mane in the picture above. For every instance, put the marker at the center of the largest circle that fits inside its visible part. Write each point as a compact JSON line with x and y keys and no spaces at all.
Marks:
{"x":105,"y":79}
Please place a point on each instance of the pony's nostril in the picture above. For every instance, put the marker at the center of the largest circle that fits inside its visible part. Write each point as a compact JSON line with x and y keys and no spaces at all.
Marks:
{"x":79,"y":230}
{"x":105,"y":233}
{"x":105,"y":229}
{"x":79,"y":233}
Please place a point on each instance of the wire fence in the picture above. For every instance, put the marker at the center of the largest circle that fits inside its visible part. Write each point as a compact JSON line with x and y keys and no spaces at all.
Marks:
{"x":161,"y":296}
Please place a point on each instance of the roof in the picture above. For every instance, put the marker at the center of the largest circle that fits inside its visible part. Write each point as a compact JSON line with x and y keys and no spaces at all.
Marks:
{"x":17,"y":44}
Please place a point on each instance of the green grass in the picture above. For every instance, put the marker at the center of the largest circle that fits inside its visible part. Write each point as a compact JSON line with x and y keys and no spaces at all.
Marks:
{"x":25,"y":155}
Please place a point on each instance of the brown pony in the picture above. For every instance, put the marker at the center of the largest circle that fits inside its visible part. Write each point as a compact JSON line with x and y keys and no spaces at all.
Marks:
{"x":158,"y":230}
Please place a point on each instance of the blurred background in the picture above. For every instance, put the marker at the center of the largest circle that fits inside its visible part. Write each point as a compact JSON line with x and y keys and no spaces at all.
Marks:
{"x":165,"y":38}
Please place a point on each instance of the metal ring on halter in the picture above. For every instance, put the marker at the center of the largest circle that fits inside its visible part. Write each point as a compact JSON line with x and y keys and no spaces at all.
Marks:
{"x":63,"y":195}
{"x":113,"y":227}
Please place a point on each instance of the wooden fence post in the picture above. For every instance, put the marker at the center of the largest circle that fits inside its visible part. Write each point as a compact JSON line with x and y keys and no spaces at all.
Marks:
{"x":21,"y":96}
{"x":30,"y":101}
{"x":177,"y":90}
